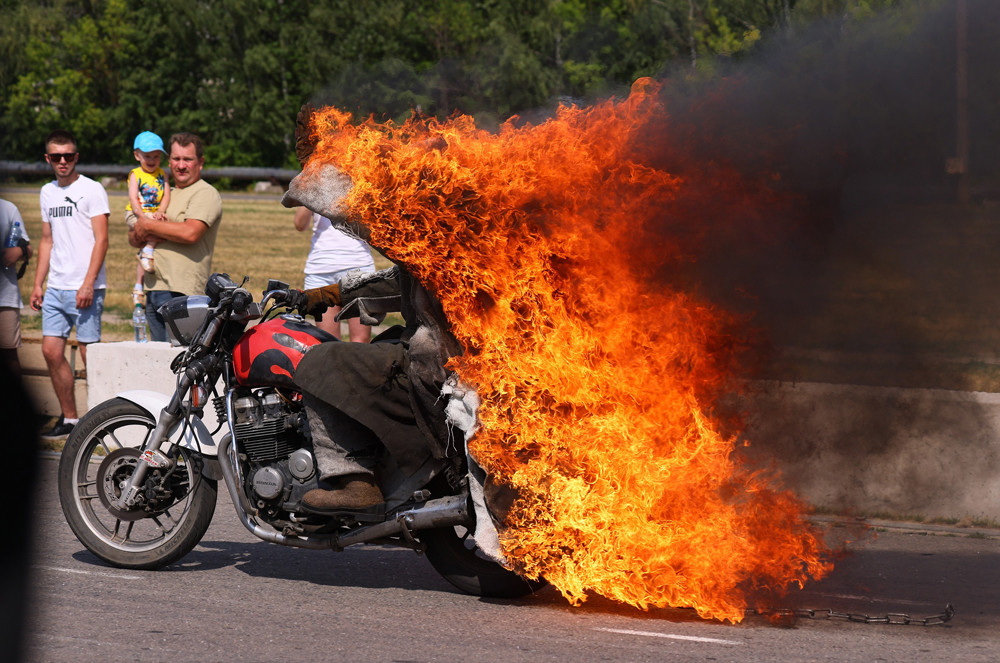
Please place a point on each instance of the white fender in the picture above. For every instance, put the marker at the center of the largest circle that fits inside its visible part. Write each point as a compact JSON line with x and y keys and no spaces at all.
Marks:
{"x":196,"y":436}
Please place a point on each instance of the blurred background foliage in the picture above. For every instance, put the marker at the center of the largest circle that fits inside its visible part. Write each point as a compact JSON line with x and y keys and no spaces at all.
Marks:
{"x":237,"y":71}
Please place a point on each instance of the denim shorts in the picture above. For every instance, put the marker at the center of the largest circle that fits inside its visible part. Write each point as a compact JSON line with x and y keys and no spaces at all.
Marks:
{"x":60,"y":314}
{"x":330,"y":278}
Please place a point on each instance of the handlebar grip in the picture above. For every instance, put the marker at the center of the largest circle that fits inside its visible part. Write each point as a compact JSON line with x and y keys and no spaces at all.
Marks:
{"x":241,"y":300}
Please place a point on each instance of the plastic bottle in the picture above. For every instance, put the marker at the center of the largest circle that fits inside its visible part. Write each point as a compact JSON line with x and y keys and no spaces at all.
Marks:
{"x":139,"y":322}
{"x":14,"y":236}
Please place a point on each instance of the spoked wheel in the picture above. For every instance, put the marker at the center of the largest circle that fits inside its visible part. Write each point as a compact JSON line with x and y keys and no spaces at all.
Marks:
{"x":99,"y":456}
{"x":453,"y":553}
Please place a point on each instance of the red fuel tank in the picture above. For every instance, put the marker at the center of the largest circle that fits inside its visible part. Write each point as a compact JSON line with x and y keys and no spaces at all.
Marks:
{"x":269,"y":353}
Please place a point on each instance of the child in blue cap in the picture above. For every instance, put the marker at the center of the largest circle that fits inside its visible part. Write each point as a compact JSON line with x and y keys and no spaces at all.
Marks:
{"x":148,"y":193}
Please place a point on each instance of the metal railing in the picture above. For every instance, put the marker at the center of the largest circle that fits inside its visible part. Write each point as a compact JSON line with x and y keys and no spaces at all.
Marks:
{"x":42,"y":169}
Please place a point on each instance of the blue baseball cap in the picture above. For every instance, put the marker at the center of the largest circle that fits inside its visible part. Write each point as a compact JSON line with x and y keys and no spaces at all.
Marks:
{"x":147,"y":141}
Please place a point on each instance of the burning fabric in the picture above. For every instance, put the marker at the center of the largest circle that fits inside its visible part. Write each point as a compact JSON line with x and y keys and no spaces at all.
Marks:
{"x":597,"y":389}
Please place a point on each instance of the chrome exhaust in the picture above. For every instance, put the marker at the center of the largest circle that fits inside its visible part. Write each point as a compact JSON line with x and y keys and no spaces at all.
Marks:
{"x":445,"y":512}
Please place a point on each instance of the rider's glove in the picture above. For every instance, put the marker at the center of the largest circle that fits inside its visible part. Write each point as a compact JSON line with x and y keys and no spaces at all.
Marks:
{"x":294,"y":299}
{"x":315,"y":300}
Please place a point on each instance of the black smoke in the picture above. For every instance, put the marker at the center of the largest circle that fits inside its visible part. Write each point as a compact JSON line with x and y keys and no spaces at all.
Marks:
{"x":850,"y":125}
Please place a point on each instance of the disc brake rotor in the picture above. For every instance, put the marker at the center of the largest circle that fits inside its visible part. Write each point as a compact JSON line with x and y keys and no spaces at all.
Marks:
{"x":113,"y":474}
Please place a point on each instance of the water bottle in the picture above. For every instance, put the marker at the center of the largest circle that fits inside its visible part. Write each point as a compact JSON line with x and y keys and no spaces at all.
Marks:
{"x":14,"y":236}
{"x":139,"y":322}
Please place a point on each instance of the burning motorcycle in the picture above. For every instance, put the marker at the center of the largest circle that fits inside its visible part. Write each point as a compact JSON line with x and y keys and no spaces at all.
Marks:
{"x":138,"y":479}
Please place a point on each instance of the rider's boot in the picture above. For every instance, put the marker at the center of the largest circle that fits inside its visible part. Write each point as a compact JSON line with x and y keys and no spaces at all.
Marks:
{"x":352,"y":491}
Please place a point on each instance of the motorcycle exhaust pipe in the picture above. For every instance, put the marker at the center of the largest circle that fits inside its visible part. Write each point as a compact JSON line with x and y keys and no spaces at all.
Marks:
{"x":444,"y":512}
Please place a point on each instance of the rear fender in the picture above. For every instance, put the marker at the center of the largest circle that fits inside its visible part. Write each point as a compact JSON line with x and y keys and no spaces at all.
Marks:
{"x":196,"y":436}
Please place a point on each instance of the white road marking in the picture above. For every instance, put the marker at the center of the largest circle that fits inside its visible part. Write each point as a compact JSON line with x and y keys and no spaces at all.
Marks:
{"x":76,"y":640}
{"x":119,"y":576}
{"x":671,"y":636}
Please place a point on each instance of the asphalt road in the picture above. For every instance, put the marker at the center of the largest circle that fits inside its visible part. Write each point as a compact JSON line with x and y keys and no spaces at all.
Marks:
{"x":235,"y":598}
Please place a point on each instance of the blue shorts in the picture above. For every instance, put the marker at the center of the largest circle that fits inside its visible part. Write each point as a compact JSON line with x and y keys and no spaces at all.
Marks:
{"x":60,"y":315}
{"x":330,"y":278}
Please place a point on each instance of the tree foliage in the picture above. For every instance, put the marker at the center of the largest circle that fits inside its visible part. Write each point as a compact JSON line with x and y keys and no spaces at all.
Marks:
{"x":236,"y":71}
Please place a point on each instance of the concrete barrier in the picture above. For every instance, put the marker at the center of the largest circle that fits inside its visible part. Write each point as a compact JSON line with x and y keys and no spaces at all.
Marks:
{"x":126,"y":365}
{"x":918,"y":452}
{"x":116,"y":367}
{"x":902,"y":452}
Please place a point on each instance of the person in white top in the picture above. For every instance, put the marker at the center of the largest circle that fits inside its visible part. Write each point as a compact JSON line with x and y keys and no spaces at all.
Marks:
{"x":332,"y":256}
{"x":10,"y":296}
{"x":71,"y":255}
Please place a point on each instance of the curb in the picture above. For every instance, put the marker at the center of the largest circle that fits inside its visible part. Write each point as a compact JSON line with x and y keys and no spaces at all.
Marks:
{"x":908,"y":527}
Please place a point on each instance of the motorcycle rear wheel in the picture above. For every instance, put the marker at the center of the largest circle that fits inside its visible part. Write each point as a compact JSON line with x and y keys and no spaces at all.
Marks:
{"x":129,"y":540}
{"x":453,"y":553}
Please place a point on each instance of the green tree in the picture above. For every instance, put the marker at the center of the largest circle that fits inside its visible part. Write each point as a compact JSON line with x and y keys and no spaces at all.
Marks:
{"x":236,"y":72}
{"x":70,"y":75}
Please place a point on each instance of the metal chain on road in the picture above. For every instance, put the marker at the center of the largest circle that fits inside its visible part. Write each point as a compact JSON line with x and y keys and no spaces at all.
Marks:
{"x":888,"y":618}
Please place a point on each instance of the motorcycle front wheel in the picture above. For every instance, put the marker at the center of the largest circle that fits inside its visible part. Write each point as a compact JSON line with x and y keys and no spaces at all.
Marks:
{"x":453,"y":553}
{"x":99,"y":455}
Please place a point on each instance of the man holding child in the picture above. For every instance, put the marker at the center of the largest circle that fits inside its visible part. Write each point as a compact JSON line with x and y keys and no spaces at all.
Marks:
{"x":186,"y":232}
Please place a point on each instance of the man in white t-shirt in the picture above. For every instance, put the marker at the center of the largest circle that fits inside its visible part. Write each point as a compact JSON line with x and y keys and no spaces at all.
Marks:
{"x":71,"y":254}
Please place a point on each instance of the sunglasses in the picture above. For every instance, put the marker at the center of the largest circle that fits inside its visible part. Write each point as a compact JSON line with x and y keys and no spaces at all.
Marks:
{"x":63,"y":156}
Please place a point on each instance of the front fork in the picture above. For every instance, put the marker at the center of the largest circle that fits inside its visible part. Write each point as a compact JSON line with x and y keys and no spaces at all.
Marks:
{"x":152,"y":457}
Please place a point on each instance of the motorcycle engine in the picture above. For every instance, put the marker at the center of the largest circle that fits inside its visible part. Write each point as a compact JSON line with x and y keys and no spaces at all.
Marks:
{"x":269,"y":432}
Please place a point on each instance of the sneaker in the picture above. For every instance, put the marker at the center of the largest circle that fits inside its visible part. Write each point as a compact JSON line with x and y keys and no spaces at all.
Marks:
{"x":60,"y":429}
{"x":146,"y":260}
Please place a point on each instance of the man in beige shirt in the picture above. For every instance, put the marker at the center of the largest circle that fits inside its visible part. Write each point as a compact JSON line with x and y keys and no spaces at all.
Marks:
{"x":187,"y":231}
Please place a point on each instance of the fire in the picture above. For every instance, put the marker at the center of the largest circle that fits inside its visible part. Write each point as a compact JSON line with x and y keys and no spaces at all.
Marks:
{"x":597,"y":387}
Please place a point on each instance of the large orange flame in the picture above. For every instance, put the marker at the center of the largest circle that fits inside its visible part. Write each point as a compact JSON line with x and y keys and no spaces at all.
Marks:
{"x":597,"y":388}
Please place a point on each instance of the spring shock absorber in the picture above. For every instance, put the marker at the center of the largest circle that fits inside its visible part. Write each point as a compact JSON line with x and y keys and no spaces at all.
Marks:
{"x":219,"y":403}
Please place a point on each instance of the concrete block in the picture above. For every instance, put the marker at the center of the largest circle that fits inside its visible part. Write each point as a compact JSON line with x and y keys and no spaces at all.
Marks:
{"x":113,"y":368}
{"x":126,"y":365}
{"x":919,"y":452}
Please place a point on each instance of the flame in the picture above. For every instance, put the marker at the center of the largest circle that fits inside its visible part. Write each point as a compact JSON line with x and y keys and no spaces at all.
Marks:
{"x":597,"y":388}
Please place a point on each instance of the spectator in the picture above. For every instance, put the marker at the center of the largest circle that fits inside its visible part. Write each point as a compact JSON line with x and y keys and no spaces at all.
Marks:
{"x":10,"y":296}
{"x":186,"y":230}
{"x":333,"y":255}
{"x":71,"y":255}
{"x":148,"y":191}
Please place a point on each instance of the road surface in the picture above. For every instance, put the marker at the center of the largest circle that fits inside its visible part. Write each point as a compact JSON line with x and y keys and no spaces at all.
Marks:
{"x":235,"y":598}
